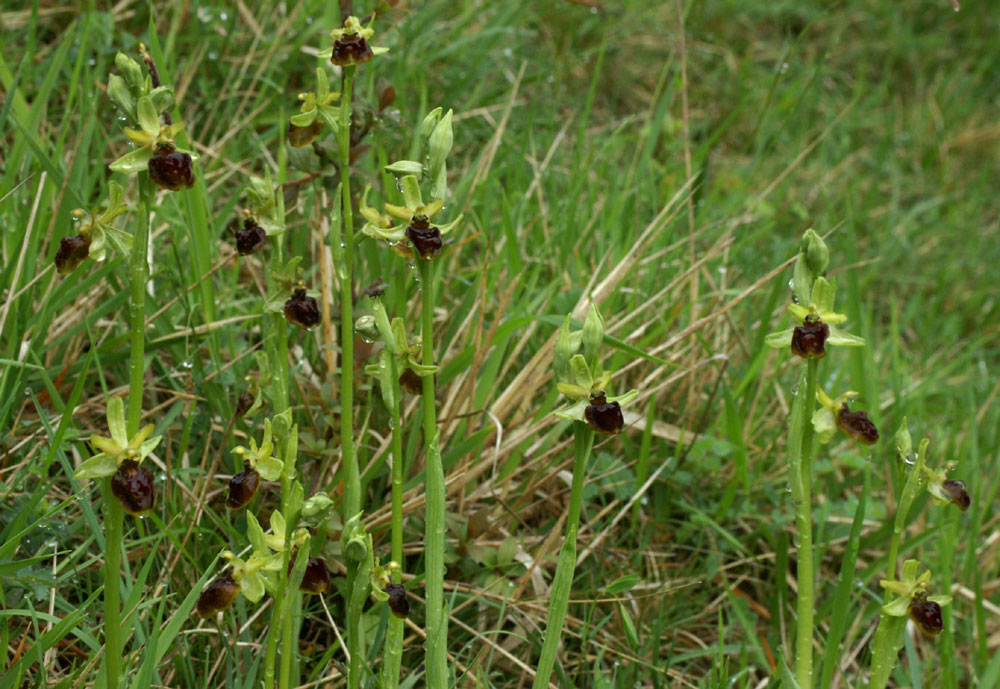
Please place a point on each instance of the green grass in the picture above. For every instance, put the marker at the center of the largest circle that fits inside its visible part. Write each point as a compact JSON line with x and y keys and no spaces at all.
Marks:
{"x":875,"y":122}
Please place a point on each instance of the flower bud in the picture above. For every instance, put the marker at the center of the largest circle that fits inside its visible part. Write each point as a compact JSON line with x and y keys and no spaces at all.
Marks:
{"x":72,"y":252}
{"x":439,"y":143}
{"x":593,"y":336}
{"x":926,"y":614}
{"x":816,"y":253}
{"x":399,"y":604}
{"x":302,"y":310}
{"x":218,"y":595}
{"x":242,"y":487}
{"x":316,"y":504}
{"x":567,"y":345}
{"x":366,"y":327}
{"x":856,"y":425}
{"x":133,"y":485}
{"x":426,"y":238}
{"x":809,"y":339}
{"x":405,"y":167}
{"x":130,"y":71}
{"x":603,"y":416}
{"x":251,"y":238}
{"x":170,"y":168}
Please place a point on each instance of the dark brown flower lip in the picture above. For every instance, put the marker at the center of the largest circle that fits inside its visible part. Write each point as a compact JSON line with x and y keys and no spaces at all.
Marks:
{"x":218,"y":595}
{"x":133,"y":486}
{"x":300,"y":137}
{"x":251,"y":238}
{"x":856,"y":425}
{"x":926,"y":615}
{"x":603,"y":416}
{"x":72,"y":252}
{"x":242,"y":487}
{"x":957,"y":492}
{"x":399,"y":603}
{"x":809,"y":339}
{"x":171,"y":169}
{"x":302,"y":310}
{"x":243,"y":403}
{"x":316,"y":578}
{"x":351,"y":49}
{"x":426,"y":238}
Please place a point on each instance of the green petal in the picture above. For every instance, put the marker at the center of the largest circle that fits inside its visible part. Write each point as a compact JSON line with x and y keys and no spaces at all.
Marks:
{"x":780,"y":339}
{"x":116,"y":421}
{"x":97,"y":466}
{"x":136,"y":161}
{"x":940,"y":600}
{"x":326,"y":53}
{"x":841,"y":339}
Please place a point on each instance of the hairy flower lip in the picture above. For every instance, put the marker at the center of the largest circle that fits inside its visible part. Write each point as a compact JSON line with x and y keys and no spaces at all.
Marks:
{"x":243,"y":487}
{"x":809,"y":339}
{"x":957,"y":492}
{"x":603,"y":416}
{"x":302,"y":310}
{"x":72,"y":252}
{"x":300,"y":137}
{"x":251,"y":238}
{"x":399,"y":603}
{"x":316,"y":578}
{"x":426,"y":238}
{"x":171,"y":169}
{"x":133,"y":486}
{"x":856,"y":425}
{"x":218,"y":595}
{"x":926,"y":615}
{"x":351,"y":49}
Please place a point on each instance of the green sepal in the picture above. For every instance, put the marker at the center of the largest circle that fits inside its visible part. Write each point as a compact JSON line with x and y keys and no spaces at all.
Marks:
{"x":122,"y":97}
{"x":149,"y":118}
{"x":256,"y":534}
{"x":133,"y":161}
{"x":98,"y":466}
{"x":385,"y":379}
{"x":411,"y":192}
{"x":781,"y":339}
{"x":162,"y":98}
{"x":581,"y":372}
{"x":823,"y":294}
{"x":116,"y":421}
{"x":904,"y":442}
{"x":844,"y":339}
{"x":405,"y":167}
{"x":574,"y":412}
{"x":304,"y":119}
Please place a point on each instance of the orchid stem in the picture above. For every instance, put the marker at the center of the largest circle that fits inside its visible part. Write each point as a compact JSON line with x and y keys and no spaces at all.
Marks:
{"x":800,"y":461}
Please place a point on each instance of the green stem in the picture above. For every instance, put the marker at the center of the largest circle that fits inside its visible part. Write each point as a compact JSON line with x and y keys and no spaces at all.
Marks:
{"x":800,"y":476}
{"x":113,"y":514}
{"x":583,"y":441}
{"x":272,"y":644}
{"x":437,"y":620}
{"x":113,"y":517}
{"x":393,"y":654}
{"x":352,"y":488}
{"x":345,"y":268}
